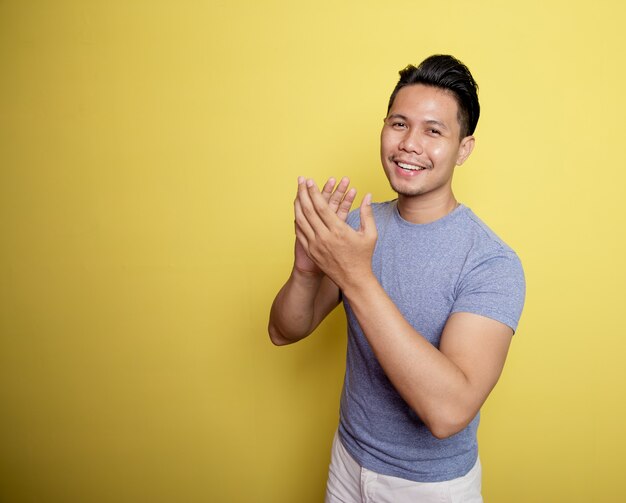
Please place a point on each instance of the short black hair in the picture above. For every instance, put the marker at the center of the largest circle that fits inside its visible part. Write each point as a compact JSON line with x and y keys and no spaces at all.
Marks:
{"x":447,"y":73}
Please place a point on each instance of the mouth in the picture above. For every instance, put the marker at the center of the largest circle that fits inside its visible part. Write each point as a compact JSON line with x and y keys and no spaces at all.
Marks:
{"x":410,"y":167}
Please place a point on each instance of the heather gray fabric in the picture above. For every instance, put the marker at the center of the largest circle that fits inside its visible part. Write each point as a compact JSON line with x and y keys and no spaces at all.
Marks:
{"x":455,"y":264}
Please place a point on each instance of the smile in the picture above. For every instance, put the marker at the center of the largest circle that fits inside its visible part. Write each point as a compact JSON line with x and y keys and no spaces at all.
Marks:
{"x":410,"y":167}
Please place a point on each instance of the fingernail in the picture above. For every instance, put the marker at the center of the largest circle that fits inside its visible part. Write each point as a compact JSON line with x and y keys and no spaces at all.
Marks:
{"x":368,"y":199}
{"x":300,"y":180}
{"x":309,"y":183}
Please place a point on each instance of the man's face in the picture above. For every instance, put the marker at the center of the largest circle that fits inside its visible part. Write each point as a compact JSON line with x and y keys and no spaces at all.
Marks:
{"x":420,"y":142}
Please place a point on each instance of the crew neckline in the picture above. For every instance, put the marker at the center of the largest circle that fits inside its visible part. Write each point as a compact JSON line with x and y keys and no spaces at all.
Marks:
{"x":461,"y":208}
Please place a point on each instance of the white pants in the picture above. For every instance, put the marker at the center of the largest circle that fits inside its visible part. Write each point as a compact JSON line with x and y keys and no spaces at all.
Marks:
{"x":348,"y":482}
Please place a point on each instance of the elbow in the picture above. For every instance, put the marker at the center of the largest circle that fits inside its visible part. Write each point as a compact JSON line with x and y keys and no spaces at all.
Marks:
{"x":441,"y":431}
{"x":277,"y":338}
{"x":281,"y":335}
{"x":445,"y":425}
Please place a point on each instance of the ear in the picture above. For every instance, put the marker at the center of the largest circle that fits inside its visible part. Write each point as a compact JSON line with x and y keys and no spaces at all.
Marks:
{"x":465,"y":149}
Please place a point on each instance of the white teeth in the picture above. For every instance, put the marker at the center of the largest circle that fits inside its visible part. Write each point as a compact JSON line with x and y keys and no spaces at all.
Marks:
{"x":410,"y":167}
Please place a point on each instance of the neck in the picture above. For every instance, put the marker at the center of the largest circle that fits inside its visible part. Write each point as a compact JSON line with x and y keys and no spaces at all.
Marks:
{"x":424,"y":211}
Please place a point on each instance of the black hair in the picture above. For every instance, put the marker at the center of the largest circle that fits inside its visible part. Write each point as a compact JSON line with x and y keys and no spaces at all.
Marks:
{"x":448,"y":73}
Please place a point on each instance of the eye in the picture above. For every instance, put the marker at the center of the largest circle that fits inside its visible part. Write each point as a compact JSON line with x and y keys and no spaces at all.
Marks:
{"x":434,"y":132}
{"x":398,"y":125}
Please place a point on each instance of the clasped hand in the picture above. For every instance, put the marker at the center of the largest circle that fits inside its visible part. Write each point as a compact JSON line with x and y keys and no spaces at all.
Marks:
{"x":342,"y":253}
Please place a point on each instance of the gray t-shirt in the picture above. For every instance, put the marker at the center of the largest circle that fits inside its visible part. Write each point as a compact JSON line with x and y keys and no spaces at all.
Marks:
{"x":455,"y":264}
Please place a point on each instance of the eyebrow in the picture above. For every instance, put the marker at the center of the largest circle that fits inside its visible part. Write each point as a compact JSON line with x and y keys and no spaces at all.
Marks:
{"x":397,"y":116}
{"x":436,"y":123}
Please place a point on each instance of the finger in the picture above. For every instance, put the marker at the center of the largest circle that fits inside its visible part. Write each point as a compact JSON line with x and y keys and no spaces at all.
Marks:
{"x":329,"y":186}
{"x":324,"y":217}
{"x":339,"y":193}
{"x":302,"y":222}
{"x":310,"y":209}
{"x":301,"y":180}
{"x":301,"y":237}
{"x":346,"y":204}
{"x":368,"y":225}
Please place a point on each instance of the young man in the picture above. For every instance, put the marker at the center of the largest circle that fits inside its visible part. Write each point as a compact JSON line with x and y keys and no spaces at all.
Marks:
{"x":431,"y":294}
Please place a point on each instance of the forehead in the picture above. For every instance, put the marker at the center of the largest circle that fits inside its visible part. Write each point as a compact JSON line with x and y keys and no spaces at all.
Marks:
{"x":419,"y":102}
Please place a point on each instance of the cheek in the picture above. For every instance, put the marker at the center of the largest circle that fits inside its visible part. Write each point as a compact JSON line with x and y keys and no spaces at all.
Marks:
{"x":386,"y":143}
{"x":434,"y":151}
{"x":441,"y":152}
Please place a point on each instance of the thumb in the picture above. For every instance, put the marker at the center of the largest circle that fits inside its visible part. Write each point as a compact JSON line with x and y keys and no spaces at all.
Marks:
{"x":368,"y":225}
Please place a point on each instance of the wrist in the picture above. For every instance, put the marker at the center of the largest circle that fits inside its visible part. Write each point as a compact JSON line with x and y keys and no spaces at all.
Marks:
{"x":306,"y":276}
{"x":358,"y":282}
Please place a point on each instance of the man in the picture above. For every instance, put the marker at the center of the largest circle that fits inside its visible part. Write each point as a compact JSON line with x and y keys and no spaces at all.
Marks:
{"x":431,"y":294}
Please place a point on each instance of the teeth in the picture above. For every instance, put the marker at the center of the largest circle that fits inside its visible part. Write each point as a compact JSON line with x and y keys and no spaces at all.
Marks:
{"x":410,"y":167}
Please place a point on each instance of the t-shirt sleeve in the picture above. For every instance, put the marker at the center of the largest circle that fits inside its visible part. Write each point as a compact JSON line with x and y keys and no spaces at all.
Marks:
{"x":494,"y":287}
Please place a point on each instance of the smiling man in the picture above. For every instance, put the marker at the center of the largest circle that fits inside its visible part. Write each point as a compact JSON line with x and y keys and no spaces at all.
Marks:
{"x":432,"y":298}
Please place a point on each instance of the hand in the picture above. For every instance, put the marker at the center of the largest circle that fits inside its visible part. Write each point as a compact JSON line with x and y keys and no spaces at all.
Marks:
{"x":343,"y":254}
{"x":339,"y":199}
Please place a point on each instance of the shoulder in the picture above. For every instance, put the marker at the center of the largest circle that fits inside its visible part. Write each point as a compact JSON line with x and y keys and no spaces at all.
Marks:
{"x":492,"y":274}
{"x":480,"y":232}
{"x":482,"y":242}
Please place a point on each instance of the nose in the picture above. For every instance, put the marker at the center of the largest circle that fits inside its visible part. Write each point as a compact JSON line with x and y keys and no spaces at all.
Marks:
{"x":411,"y":142}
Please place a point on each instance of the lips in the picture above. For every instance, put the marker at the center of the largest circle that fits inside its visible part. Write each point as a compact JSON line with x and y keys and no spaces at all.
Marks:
{"x":410,"y":167}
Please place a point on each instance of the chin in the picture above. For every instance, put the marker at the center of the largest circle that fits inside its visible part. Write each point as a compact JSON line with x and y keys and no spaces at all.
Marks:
{"x":406,"y":191}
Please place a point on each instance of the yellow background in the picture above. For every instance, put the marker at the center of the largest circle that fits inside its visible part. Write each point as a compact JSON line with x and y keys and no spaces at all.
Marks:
{"x":148,"y":160}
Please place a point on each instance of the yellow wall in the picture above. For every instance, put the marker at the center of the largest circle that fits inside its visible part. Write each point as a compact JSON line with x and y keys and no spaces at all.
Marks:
{"x":148,"y":157}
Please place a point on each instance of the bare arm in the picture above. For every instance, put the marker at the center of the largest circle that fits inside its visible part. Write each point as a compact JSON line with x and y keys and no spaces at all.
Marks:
{"x":445,"y":387}
{"x":300,"y":306}
{"x":308,"y":295}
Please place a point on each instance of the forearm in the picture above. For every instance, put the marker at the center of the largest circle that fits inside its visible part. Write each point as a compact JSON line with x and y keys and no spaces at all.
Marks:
{"x":299,"y":307}
{"x":432,"y":384}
